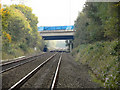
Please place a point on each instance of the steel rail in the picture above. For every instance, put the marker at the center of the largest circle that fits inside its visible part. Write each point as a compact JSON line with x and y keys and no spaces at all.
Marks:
{"x":18,"y":64}
{"x":21,"y":59}
{"x":56,"y":74}
{"x":29,"y":75}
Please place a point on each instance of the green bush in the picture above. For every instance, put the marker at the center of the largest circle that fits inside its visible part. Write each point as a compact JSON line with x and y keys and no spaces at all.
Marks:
{"x":102,"y":58}
{"x":23,"y":46}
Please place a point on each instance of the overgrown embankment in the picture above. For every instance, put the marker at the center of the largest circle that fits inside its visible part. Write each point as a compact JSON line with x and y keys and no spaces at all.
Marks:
{"x":103,"y":60}
{"x":96,"y":41}
{"x":19,"y":32}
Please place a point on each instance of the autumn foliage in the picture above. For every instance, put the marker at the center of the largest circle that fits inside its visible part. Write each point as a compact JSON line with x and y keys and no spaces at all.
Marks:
{"x":19,"y":30}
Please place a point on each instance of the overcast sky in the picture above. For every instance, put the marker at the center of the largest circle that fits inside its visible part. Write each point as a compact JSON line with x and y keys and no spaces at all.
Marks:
{"x":54,"y":12}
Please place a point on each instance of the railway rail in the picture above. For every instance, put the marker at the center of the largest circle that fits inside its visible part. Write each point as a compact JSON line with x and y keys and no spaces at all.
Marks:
{"x":35,"y":70}
{"x":18,"y":62}
{"x":56,"y":73}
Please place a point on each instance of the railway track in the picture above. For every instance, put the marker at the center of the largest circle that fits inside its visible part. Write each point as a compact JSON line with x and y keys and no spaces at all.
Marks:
{"x":56,"y":73}
{"x":35,"y":70}
{"x":19,"y":83}
{"x":47,"y":72}
{"x":18,"y":62}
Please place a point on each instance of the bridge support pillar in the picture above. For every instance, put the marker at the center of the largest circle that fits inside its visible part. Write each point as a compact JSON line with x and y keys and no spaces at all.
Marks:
{"x":70,"y":45}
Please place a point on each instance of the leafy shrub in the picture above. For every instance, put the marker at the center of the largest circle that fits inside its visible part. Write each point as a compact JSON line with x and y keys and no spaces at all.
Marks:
{"x":103,"y":63}
{"x":23,"y":46}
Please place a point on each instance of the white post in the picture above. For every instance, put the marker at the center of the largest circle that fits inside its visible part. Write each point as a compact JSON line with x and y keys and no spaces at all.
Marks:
{"x":70,"y":47}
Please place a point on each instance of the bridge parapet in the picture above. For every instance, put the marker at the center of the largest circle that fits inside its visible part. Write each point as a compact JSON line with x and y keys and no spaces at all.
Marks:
{"x":51,"y":28}
{"x":57,"y":31}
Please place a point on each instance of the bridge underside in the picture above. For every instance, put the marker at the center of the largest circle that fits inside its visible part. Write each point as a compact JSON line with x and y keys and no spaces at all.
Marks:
{"x":58,"y":37}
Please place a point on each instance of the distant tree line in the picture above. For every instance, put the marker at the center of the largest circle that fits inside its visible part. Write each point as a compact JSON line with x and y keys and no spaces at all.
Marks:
{"x":98,"y":21}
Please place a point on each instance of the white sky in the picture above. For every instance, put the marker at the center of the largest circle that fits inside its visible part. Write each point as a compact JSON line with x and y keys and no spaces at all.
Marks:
{"x":54,"y":12}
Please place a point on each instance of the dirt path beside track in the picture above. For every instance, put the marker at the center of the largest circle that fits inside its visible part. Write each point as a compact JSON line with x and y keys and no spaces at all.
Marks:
{"x":73,"y":74}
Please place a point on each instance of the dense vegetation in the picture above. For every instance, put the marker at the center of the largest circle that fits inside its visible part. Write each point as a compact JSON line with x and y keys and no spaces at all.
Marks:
{"x":19,"y":31}
{"x":96,"y":41}
{"x":97,"y":22}
{"x":0,"y":34}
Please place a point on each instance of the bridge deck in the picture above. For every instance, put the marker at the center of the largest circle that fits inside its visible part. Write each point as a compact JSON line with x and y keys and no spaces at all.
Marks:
{"x":57,"y":34}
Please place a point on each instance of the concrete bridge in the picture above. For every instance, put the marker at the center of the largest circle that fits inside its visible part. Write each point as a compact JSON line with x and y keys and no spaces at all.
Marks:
{"x":57,"y":34}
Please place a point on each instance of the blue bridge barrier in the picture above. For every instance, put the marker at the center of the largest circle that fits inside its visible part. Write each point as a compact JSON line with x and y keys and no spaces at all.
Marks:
{"x":71,"y":27}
